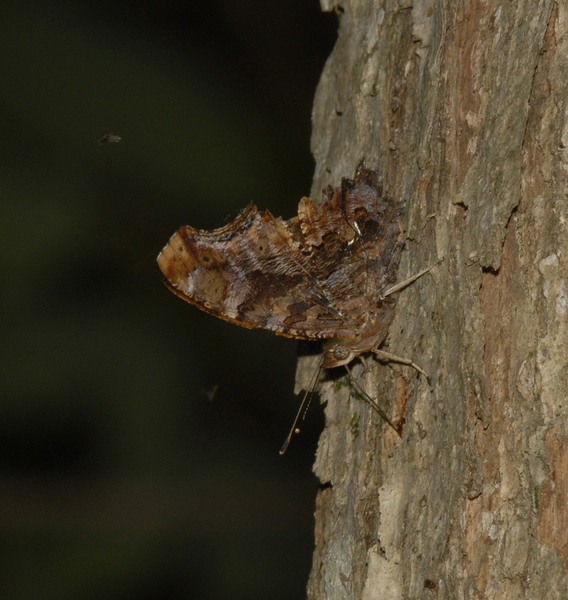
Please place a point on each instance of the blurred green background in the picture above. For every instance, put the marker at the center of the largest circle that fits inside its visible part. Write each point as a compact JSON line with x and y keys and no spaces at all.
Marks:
{"x":139,"y":437}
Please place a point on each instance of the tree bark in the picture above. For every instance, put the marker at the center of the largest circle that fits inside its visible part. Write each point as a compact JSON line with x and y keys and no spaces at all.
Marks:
{"x":462,"y":109}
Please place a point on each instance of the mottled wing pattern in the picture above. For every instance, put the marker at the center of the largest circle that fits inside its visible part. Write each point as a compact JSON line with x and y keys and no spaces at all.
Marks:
{"x":314,"y":276}
{"x":382,"y":235}
{"x":255,"y":273}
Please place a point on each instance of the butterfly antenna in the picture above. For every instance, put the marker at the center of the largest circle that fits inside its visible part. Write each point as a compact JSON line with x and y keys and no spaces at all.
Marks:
{"x":306,"y":400}
{"x":370,"y":401}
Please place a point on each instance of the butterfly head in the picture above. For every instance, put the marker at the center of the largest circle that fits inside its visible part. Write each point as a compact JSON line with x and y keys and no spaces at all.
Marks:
{"x":338,"y":352}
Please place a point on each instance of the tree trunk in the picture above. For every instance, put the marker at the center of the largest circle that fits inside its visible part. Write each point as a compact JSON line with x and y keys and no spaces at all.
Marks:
{"x":462,"y":109}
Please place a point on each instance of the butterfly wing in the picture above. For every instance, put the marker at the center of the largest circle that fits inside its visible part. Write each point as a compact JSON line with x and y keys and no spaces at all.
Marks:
{"x":306,"y":278}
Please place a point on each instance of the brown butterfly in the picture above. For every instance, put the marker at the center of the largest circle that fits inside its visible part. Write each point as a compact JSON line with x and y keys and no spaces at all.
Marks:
{"x":324,"y":274}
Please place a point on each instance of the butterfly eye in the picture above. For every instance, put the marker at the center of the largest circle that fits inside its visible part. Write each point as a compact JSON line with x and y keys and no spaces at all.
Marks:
{"x":341,"y":352}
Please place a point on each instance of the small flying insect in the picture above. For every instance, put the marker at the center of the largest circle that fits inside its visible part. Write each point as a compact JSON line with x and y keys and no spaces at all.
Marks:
{"x":110,"y":138}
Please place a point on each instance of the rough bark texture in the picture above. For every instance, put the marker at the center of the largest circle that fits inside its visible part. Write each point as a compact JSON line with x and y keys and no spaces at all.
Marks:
{"x":462,"y":108}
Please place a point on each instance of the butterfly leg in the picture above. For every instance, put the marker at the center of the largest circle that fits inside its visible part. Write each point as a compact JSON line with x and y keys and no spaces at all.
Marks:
{"x":399,"y":286}
{"x":371,"y":402}
{"x":405,"y":361}
{"x":406,"y":282}
{"x":367,"y":362}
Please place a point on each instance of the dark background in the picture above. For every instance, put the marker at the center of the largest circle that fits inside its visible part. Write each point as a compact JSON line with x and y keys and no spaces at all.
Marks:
{"x":122,"y":475}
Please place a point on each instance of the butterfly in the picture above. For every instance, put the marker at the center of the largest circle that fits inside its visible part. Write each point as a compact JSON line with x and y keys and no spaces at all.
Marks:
{"x":323,"y":275}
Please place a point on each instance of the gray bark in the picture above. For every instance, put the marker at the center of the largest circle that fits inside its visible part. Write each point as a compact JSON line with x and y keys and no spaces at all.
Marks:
{"x":462,"y":109}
